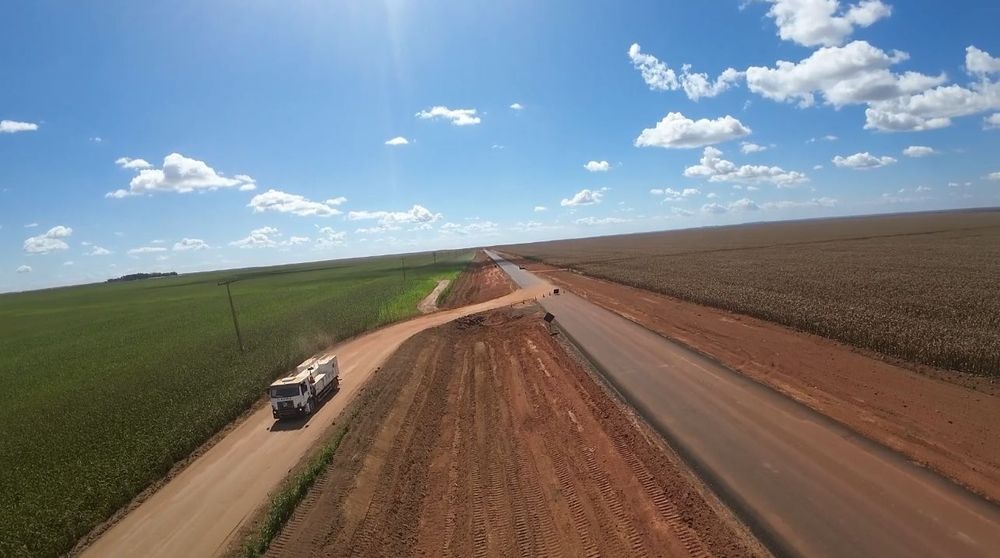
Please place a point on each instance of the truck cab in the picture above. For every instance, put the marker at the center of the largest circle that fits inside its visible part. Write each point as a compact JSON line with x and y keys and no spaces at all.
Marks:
{"x":300,"y":392}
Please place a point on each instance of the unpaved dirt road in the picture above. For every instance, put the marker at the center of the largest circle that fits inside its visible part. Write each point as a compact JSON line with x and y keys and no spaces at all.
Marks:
{"x":429,"y":303}
{"x":805,"y":484}
{"x":481,"y":280}
{"x":197,"y":512}
{"x":483,"y":437}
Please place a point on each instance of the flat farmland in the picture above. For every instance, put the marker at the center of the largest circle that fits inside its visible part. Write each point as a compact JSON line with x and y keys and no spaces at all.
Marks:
{"x":918,"y":287}
{"x":108,"y":386}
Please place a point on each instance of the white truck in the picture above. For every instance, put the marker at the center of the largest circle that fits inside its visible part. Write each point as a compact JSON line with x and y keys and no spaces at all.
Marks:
{"x":299,"y":393}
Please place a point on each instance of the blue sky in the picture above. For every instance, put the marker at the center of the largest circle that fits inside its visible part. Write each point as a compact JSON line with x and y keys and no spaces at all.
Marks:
{"x":201,"y":135}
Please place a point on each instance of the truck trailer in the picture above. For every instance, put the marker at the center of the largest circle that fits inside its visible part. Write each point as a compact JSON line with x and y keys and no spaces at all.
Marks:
{"x":300,"y":393}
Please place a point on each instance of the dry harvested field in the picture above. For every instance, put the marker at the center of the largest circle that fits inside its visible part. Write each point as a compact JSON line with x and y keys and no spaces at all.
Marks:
{"x":919,"y":287}
{"x":481,"y":280}
{"x":484,"y":437}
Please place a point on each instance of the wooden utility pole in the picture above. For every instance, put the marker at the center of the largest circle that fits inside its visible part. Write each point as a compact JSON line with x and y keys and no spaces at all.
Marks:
{"x":402,"y":264}
{"x":232,"y":308}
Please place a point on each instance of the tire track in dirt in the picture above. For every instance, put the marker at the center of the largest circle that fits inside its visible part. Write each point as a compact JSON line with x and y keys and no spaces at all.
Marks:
{"x":499,"y":443}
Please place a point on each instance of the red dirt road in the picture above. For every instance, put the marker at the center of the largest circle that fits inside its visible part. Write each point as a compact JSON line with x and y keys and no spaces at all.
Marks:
{"x":198,"y":511}
{"x":481,"y":280}
{"x":483,"y":437}
{"x":929,"y":417}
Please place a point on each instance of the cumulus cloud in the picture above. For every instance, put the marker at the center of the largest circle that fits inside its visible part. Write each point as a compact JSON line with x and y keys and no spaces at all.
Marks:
{"x":855,"y":73}
{"x":264,"y":237}
{"x":458,"y":117}
{"x":993,"y":176}
{"x":540,"y":208}
{"x":716,"y":169}
{"x":583,"y":197}
{"x":594,"y":221}
{"x":188,"y":244}
{"x":146,"y":250}
{"x":597,"y":166}
{"x":24,"y":269}
{"x":283,"y":202}
{"x":813,"y":203}
{"x":517,"y":106}
{"x":327,"y":238}
{"x":678,"y":131}
{"x":392,"y":220}
{"x":660,"y":77}
{"x":862,"y":161}
{"x":128,"y":163}
{"x":96,"y":250}
{"x":398,"y":140}
{"x":979,"y":62}
{"x":179,"y":174}
{"x":747,"y":148}
{"x":823,"y":22}
{"x":919,"y":151}
{"x":669,"y":194}
{"x":50,"y":241}
{"x":992,"y":122}
{"x":935,"y":107}
{"x":13,"y":127}
{"x":472,"y":228}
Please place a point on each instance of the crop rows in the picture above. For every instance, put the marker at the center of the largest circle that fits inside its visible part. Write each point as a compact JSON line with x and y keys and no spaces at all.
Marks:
{"x":107,"y":386}
{"x":922,"y":288}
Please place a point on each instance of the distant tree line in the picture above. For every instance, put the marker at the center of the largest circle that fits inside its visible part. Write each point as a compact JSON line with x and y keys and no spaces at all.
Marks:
{"x":138,"y":276}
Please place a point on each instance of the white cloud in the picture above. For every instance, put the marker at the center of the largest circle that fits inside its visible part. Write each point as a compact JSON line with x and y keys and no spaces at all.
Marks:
{"x":458,"y":117}
{"x":817,"y":167}
{"x":179,"y":174}
{"x":24,"y":269}
{"x":747,"y":148}
{"x":398,"y":140}
{"x":823,"y":22}
{"x":146,"y":250}
{"x":13,"y":127}
{"x":97,"y":251}
{"x":583,"y":197}
{"x":263,"y":237}
{"x":862,"y":161}
{"x":678,"y":131}
{"x":187,"y":244}
{"x":979,"y":62}
{"x":51,"y":241}
{"x":919,"y":151}
{"x":815,"y":202}
{"x":713,"y":208}
{"x":96,"y":139}
{"x":31,"y":225}
{"x":716,"y":169}
{"x":540,"y":208}
{"x":923,"y":189}
{"x":681,"y":211}
{"x":597,"y":166}
{"x":473,"y":228}
{"x":934,"y":108}
{"x":660,"y":77}
{"x":992,"y":122}
{"x":517,"y":106}
{"x":669,"y":194}
{"x":855,"y":73}
{"x":594,"y":221}
{"x":993,"y":176}
{"x":283,"y":202}
{"x":68,"y":263}
{"x":249,"y":187}
{"x":391,"y":220}
{"x":327,"y":237}
{"x":127,"y":163}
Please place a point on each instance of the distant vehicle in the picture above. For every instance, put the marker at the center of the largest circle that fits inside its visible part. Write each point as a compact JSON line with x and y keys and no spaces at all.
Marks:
{"x":520,"y":267}
{"x":299,"y":393}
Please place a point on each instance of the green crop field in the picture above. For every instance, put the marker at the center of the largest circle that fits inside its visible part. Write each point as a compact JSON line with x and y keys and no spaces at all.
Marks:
{"x":107,"y":386}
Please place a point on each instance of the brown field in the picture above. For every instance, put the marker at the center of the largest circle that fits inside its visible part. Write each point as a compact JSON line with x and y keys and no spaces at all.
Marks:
{"x":484,"y":437}
{"x":480,"y":281}
{"x":918,"y":287}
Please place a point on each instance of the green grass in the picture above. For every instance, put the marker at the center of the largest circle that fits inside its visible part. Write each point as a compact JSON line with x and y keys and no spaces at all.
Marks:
{"x":107,"y":386}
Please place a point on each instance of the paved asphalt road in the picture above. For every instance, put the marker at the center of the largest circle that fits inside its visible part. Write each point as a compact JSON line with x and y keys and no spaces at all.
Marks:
{"x":806,"y":485}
